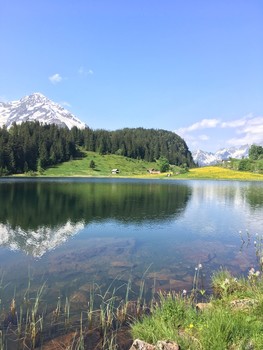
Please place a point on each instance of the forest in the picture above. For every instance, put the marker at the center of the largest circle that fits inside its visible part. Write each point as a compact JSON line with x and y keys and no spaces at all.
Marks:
{"x":32,"y":147}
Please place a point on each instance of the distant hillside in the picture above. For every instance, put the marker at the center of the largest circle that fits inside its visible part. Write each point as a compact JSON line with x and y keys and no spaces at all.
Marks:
{"x":137,"y":143}
{"x":19,"y":153}
{"x":33,"y":147}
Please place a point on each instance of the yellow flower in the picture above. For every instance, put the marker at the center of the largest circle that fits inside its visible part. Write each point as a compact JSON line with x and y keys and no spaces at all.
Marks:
{"x":191,"y":325}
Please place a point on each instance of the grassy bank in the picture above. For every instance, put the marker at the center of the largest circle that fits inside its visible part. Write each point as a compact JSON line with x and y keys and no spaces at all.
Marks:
{"x":233,"y":319}
{"x":135,"y":168}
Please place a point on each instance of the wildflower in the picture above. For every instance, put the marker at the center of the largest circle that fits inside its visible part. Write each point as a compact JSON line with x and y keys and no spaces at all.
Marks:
{"x":251,"y":271}
{"x":200,"y":266}
{"x":184,"y":292}
{"x":191,"y":325}
{"x":227,"y":281}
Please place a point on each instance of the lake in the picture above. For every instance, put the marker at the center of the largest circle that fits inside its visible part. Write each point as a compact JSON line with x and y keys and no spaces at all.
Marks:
{"x":74,"y":233}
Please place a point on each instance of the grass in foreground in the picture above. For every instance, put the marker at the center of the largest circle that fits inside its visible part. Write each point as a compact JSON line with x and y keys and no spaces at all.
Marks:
{"x":233,"y":320}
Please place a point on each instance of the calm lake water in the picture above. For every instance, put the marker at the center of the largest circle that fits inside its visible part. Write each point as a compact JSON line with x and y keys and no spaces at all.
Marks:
{"x":74,"y":233}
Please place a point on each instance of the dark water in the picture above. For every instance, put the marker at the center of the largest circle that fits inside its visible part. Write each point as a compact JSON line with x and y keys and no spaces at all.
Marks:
{"x":72,"y":233}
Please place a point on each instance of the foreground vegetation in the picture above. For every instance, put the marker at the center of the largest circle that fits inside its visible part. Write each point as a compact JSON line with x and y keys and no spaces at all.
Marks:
{"x":232,"y":319}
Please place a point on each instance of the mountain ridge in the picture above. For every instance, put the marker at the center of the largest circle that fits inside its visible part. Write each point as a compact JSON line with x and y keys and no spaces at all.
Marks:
{"x":37,"y":107}
{"x":203,"y":158}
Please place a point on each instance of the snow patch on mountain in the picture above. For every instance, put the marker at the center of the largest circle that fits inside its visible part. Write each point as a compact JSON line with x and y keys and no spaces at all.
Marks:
{"x":203,"y":158}
{"x":37,"y":107}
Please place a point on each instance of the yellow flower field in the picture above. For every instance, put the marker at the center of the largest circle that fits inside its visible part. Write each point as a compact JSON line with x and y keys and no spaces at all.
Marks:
{"x":216,"y":172}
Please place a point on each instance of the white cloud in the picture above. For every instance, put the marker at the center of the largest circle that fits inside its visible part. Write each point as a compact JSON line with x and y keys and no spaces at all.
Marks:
{"x":202,"y":124}
{"x":84,"y":72}
{"x":237,"y":123}
{"x":55,"y":78}
{"x":218,"y":134}
{"x":204,"y":137}
{"x":65,"y":103}
{"x":251,"y":131}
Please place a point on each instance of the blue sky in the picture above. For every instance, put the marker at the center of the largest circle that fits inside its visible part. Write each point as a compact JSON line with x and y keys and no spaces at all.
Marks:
{"x":190,"y":66}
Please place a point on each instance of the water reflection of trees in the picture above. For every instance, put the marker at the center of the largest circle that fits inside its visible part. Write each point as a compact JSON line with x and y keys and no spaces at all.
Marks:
{"x":30,"y":205}
{"x":253,"y":194}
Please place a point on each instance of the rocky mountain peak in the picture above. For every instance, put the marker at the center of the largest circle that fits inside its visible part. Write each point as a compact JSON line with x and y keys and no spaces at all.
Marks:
{"x":203,"y":158}
{"x":37,"y":107}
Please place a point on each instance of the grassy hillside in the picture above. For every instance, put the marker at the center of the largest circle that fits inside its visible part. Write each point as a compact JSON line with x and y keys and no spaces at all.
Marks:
{"x":103,"y":166}
{"x":138,"y":168}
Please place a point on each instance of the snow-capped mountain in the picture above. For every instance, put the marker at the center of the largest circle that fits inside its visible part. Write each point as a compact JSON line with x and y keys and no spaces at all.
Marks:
{"x":37,"y":107}
{"x":203,"y":158}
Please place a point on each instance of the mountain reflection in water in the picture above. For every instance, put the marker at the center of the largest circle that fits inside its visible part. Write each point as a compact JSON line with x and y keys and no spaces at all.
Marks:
{"x":37,"y":216}
{"x":107,"y":232}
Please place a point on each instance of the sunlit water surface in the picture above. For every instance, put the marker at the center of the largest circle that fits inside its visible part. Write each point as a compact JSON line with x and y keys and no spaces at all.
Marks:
{"x":72,"y":234}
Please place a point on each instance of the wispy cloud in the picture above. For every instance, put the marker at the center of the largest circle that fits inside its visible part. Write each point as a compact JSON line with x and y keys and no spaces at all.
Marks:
{"x":3,"y":99}
{"x":237,"y":132}
{"x":202,"y":124}
{"x":55,"y":78}
{"x":248,"y":131}
{"x":65,"y":103}
{"x":84,"y":72}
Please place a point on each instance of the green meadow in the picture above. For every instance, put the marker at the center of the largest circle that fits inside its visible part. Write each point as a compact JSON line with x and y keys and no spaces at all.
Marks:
{"x":137,"y":168}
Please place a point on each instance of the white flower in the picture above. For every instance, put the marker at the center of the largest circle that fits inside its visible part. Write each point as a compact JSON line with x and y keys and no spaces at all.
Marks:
{"x":200,"y":266}
{"x":251,"y":271}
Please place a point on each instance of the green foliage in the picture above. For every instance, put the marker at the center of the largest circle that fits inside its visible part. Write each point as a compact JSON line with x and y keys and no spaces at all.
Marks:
{"x":171,"y":313}
{"x":163,"y":164}
{"x":244,"y":165}
{"x":30,"y":146}
{"x":256,"y":152}
{"x":234,"y":321}
{"x":92,"y":164}
{"x":138,"y":143}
